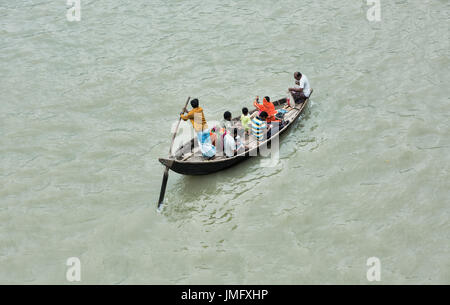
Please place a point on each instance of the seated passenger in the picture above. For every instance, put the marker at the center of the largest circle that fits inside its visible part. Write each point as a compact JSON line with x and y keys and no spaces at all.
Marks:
{"x":302,"y":89}
{"x":226,"y":123}
{"x":259,"y":126}
{"x":266,"y":106}
{"x":232,"y":144}
{"x":245,"y":120}
{"x":229,"y":145}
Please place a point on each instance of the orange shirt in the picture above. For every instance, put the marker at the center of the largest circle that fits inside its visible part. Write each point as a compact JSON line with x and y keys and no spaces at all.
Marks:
{"x":267,"y":107}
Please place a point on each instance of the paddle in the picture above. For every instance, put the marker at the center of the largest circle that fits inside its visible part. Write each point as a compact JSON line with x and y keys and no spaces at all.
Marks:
{"x":166,"y":171}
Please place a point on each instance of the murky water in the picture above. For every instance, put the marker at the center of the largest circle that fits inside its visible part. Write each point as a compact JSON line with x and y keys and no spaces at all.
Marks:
{"x":86,"y":110}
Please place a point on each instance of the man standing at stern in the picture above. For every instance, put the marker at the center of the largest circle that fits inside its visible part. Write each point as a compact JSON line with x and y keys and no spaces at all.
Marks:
{"x":198,"y":121}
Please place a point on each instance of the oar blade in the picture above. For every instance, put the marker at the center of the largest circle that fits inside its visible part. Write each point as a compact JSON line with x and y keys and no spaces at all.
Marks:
{"x":163,"y":188}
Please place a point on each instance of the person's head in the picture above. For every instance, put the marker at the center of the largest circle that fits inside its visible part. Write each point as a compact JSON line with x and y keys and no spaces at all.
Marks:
{"x":227,"y":115}
{"x":297,"y":75}
{"x":245,"y":111}
{"x":263,"y":115}
{"x":235,"y":133}
{"x":194,"y":103}
{"x":267,"y":98}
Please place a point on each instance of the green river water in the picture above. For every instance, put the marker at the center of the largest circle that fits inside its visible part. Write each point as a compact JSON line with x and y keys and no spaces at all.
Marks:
{"x":86,"y":109}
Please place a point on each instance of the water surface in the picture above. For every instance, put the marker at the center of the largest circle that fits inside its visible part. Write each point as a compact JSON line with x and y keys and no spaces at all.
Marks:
{"x":87,"y":107}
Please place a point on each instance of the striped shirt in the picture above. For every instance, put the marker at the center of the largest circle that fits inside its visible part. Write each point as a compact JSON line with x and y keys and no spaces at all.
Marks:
{"x":258,"y":128}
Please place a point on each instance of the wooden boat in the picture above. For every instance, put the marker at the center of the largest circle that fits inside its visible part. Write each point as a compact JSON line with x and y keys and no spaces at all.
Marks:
{"x":187,"y":159}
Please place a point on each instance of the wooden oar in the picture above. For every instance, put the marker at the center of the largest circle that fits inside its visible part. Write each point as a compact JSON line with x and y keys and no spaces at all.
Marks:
{"x":166,"y":171}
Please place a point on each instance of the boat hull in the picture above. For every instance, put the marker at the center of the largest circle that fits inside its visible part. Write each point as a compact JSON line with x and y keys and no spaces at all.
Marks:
{"x":200,"y":168}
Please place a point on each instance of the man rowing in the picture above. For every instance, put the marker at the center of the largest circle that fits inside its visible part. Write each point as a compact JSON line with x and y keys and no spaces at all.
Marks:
{"x":197,"y":118}
{"x":301,"y":91}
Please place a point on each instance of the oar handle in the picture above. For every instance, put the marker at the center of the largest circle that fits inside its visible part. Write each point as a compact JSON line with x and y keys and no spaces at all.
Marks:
{"x":176,"y":129}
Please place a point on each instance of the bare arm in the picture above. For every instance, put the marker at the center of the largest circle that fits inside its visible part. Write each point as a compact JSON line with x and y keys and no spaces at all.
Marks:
{"x":256,"y":102}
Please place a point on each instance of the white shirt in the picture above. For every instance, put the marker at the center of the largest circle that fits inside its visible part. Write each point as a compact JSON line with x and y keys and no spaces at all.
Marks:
{"x":229,"y":145}
{"x":304,"y":84}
